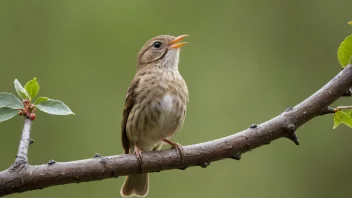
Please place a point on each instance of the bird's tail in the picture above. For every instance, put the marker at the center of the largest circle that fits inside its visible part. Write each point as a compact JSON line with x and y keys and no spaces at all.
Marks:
{"x":136,"y":185}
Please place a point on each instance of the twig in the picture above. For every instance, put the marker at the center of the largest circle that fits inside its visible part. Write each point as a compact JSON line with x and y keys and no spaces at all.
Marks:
{"x":22,"y":154}
{"x":99,"y":167}
{"x":341,"y":108}
{"x":330,"y":110}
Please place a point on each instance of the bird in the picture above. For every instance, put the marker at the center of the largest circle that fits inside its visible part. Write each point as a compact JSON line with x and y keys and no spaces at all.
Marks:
{"x":155,"y":106}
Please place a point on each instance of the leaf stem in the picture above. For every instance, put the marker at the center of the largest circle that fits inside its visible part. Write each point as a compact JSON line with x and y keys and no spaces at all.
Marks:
{"x":330,"y":110}
{"x":341,"y":108}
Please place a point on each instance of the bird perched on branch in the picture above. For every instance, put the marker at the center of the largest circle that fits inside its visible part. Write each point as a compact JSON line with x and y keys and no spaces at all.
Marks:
{"x":155,"y":106}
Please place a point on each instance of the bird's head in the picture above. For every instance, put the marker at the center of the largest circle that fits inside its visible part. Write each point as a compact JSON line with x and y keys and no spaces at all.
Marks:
{"x":161,"y":51}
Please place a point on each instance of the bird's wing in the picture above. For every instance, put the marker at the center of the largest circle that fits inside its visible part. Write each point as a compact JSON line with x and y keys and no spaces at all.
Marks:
{"x":129,"y":103}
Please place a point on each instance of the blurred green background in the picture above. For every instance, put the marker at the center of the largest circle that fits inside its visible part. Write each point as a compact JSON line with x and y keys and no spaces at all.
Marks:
{"x":246,"y":61}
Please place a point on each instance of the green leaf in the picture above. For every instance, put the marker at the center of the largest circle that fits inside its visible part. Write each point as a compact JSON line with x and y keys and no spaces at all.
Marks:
{"x":337,"y":122}
{"x":7,"y":113}
{"x":20,"y":90}
{"x":32,"y":88}
{"x":54,"y":107}
{"x":41,"y":99}
{"x":344,"y":53}
{"x":342,"y":117}
{"x":11,"y":101}
{"x":349,"y":112}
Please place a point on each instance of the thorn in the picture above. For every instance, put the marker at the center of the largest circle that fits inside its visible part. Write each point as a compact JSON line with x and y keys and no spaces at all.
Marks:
{"x":183,"y":168}
{"x":236,"y":156}
{"x":294,"y":138}
{"x":253,"y":126}
{"x":31,"y":141}
{"x":204,"y":165}
{"x":77,"y":179}
{"x":291,"y":133}
{"x":113,"y":174}
{"x":97,"y":155}
{"x":289,"y":109}
{"x":348,"y":92}
{"x":51,"y":162}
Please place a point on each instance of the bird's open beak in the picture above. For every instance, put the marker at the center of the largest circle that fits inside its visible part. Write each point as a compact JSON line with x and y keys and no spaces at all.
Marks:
{"x":175,"y":45}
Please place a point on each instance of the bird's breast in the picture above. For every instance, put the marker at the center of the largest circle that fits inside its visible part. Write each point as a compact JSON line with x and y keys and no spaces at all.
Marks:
{"x":160,"y":109}
{"x":166,"y":113}
{"x":169,"y":119}
{"x":166,"y":103}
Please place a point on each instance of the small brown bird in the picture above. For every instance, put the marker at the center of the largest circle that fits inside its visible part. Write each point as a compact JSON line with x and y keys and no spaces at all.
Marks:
{"x":155,"y":106}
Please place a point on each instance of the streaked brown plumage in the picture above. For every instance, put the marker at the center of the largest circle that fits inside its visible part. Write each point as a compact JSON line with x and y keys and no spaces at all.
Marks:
{"x":155,"y":106}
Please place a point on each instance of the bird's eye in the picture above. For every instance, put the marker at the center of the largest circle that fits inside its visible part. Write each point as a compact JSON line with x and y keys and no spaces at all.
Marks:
{"x":157,"y":44}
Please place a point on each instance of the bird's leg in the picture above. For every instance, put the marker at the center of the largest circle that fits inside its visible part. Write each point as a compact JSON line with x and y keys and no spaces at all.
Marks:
{"x":177,"y":146}
{"x":138,"y":154}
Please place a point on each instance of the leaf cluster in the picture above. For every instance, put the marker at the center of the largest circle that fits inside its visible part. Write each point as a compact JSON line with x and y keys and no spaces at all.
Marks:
{"x":11,"y":105}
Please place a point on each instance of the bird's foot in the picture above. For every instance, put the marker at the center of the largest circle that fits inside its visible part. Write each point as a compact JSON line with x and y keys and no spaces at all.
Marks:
{"x":138,"y":154}
{"x":178,"y":148}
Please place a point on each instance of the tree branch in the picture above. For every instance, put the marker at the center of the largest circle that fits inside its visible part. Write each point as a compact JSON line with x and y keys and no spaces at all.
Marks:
{"x":98,"y":168}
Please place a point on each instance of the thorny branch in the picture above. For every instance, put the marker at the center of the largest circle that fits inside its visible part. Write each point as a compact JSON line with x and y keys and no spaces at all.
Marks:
{"x":26,"y":177}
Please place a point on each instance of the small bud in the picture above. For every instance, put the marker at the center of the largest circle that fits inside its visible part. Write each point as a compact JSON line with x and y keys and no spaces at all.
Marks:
{"x":97,"y":155}
{"x":236,"y":156}
{"x":32,"y":116}
{"x":288,"y":109}
{"x":253,"y":126}
{"x":183,"y":168}
{"x":205,"y":164}
{"x":31,"y":141}
{"x":51,"y":162}
{"x":26,"y":102}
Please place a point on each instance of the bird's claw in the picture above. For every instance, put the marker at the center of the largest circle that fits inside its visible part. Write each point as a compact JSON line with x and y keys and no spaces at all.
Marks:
{"x":139,"y":155}
{"x":178,"y":148}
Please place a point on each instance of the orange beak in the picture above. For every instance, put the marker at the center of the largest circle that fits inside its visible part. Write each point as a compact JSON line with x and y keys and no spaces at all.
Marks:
{"x":175,"y":45}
